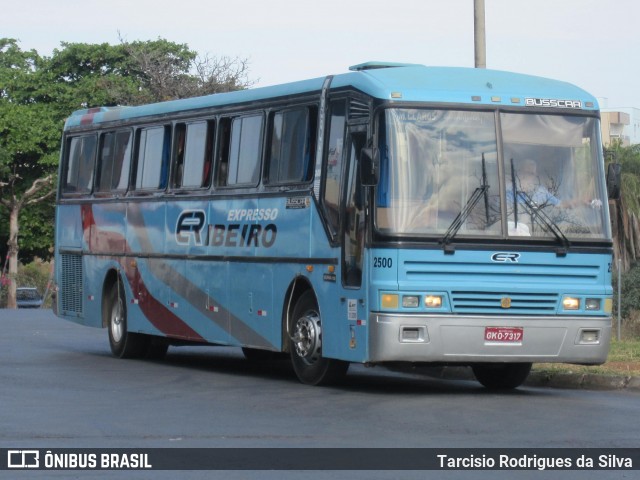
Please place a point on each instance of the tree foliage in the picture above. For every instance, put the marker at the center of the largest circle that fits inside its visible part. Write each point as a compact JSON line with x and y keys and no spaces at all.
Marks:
{"x":625,"y":213}
{"x":629,"y":158}
{"x":37,"y":93}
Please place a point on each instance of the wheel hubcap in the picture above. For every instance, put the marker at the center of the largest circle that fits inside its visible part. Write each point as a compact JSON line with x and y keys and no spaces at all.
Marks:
{"x":307,"y":337}
{"x":117,"y":324}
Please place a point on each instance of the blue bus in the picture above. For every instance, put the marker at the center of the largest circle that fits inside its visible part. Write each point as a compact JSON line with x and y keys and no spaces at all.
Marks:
{"x":396,"y":214}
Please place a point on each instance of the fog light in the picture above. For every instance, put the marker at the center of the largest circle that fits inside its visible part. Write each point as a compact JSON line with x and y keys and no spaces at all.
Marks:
{"x":411,"y":334}
{"x":410,"y":301}
{"x":433,"y":301}
{"x":389,"y":300}
{"x":592,"y":304}
{"x":590,"y":336}
{"x":571,"y":303}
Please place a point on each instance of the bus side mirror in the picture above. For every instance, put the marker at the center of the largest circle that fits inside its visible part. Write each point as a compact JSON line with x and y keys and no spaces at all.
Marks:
{"x":614,"y":181}
{"x":369,"y":167}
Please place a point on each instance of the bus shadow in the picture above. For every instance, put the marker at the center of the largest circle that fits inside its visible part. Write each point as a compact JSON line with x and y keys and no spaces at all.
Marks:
{"x":359,"y":378}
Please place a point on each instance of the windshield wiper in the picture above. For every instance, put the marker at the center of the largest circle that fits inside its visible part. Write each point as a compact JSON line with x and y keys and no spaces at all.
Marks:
{"x":549,"y":225}
{"x":478,"y":193}
{"x":514,"y":191}
{"x":461,"y":217}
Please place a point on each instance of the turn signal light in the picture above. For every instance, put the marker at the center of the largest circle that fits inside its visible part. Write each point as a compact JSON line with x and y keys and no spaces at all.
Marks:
{"x":390,"y":300}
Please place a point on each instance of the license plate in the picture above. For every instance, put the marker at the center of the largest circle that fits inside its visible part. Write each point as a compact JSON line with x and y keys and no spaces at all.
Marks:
{"x":503,"y":334}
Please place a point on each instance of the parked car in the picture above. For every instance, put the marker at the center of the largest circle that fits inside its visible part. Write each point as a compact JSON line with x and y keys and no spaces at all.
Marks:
{"x":28,"y":297}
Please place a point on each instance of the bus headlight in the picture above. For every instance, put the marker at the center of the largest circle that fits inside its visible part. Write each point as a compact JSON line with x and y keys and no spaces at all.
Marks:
{"x":433,"y":301}
{"x":410,"y":301}
{"x":592,"y":304}
{"x":571,"y":303}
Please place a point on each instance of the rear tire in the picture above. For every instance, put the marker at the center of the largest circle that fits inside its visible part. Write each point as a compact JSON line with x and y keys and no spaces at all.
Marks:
{"x":305,"y":345}
{"x":123,"y":343}
{"x":502,"y":376}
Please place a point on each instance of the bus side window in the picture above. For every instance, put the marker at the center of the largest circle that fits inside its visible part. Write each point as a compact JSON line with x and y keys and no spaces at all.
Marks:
{"x":207,"y":168}
{"x":292,"y":146}
{"x":245,"y":150}
{"x":115,"y":157}
{"x":192,"y":156}
{"x":222,"y":166}
{"x":81,"y":153}
{"x":178,"y":155}
{"x":152,"y":158}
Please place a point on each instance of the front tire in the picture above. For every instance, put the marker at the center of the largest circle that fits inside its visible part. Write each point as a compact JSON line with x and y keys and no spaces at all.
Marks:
{"x":305,"y":345}
{"x":502,"y":376}
{"x":123,"y":343}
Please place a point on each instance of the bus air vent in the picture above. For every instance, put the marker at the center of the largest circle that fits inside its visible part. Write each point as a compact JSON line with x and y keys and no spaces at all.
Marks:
{"x":71,"y":284}
{"x":358,"y":109}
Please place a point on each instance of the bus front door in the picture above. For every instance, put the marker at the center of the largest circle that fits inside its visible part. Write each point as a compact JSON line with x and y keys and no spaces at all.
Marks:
{"x":354,"y":217}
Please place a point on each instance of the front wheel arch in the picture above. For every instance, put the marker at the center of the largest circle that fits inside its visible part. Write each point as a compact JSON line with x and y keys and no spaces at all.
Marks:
{"x":305,"y":344}
{"x":296,"y":289}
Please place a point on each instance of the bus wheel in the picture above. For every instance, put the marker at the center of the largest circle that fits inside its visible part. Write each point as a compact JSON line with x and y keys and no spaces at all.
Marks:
{"x":124,"y":344}
{"x":502,"y":376}
{"x":306,"y":345}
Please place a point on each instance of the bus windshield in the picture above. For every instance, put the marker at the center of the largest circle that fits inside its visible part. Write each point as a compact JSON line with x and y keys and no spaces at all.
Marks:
{"x":440,"y":175}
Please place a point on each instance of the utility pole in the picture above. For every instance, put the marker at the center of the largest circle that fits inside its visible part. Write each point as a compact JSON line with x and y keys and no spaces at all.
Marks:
{"x":479,"y":34}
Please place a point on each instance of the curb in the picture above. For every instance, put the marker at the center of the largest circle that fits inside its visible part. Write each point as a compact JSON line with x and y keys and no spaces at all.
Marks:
{"x":585,"y":381}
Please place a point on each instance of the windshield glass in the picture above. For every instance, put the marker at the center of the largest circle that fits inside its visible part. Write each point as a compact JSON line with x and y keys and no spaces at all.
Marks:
{"x":440,"y":169}
{"x":436,"y":164}
{"x":552,"y":163}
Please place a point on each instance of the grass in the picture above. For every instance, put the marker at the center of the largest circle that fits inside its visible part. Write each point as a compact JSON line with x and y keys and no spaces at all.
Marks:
{"x":624,"y":359}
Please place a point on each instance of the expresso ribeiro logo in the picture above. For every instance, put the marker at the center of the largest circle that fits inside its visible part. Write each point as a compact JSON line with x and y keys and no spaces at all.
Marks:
{"x":192,"y":229}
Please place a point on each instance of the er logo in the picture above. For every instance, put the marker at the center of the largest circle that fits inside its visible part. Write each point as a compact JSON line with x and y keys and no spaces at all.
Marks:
{"x":189,"y":227}
{"x":505,"y":257}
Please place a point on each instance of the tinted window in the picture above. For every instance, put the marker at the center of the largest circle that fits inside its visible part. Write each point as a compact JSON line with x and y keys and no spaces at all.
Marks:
{"x":245,"y":151}
{"x":290,"y":158}
{"x":81,"y":154}
{"x":193,"y":156}
{"x":153,"y":158}
{"x":115,"y":157}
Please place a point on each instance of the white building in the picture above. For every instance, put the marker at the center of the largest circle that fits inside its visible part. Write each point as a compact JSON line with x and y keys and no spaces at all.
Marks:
{"x":621,"y":124}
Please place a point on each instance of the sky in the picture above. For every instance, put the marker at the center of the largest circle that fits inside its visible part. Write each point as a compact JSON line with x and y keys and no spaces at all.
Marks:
{"x":591,"y":43}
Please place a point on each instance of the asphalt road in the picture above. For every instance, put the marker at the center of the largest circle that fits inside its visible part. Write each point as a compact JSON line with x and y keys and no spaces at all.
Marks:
{"x":61,"y":388}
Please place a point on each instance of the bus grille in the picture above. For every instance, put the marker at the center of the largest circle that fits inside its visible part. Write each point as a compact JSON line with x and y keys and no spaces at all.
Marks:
{"x":71,"y":285}
{"x":514,"y":303}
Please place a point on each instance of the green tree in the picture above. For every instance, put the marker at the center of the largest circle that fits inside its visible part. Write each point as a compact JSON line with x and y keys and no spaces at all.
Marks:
{"x":134,"y":73}
{"x":38,"y":93}
{"x":625,"y":212}
{"x":28,"y":129}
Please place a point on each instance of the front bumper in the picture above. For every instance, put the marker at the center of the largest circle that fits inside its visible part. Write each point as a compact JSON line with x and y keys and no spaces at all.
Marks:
{"x":461,"y":339}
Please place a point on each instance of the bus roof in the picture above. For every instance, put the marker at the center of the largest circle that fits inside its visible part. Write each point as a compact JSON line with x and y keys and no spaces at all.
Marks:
{"x":386,"y":81}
